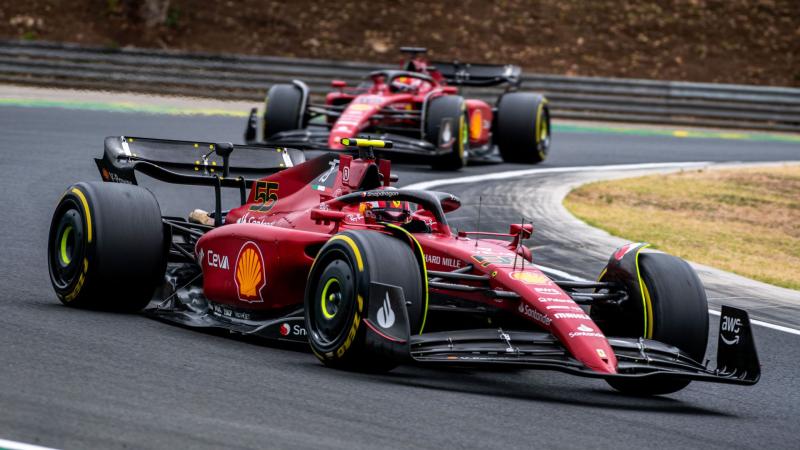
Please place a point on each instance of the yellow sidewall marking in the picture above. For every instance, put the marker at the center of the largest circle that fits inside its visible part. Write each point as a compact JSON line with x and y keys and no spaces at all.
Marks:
{"x":80,"y":195}
{"x":645,"y":297}
{"x":352,"y":244}
{"x":540,"y":128}
{"x":649,"y":331}
{"x":328,"y":284}
{"x":351,"y":335}
{"x":462,"y":135}
{"x":424,"y":271}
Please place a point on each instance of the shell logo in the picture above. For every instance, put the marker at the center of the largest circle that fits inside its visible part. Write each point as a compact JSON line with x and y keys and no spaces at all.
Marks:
{"x":249,"y":273}
{"x":530,"y":277}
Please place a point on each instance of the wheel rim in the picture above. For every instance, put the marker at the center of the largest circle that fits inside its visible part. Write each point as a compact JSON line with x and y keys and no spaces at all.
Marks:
{"x":68,"y":248}
{"x":331,"y":298}
{"x":334,"y":301}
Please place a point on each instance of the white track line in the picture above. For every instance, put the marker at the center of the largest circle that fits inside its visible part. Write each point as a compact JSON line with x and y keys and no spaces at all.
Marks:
{"x":520,"y":173}
{"x":761,"y":323}
{"x":561,"y":273}
{"x":12,"y":445}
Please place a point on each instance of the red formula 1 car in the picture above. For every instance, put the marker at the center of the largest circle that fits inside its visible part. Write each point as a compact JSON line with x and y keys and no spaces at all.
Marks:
{"x":419,"y":108}
{"x":326,"y":252}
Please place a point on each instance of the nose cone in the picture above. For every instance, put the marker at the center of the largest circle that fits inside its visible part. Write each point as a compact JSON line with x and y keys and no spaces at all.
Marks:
{"x":587,"y":343}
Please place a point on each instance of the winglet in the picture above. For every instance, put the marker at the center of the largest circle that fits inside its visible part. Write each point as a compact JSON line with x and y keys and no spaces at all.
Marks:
{"x":736,"y":349}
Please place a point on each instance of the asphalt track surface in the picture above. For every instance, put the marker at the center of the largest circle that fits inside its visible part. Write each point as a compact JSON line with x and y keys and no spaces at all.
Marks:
{"x":78,"y":379}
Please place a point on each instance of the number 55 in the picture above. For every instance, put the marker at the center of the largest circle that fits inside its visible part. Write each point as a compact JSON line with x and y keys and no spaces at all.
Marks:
{"x":266,"y":196}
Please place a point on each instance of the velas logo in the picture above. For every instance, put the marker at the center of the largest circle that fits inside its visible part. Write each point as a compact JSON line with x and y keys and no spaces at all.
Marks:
{"x":385,"y":313}
{"x":585,"y":328}
{"x":249,"y":273}
{"x":446,"y":136}
{"x":530,"y":277}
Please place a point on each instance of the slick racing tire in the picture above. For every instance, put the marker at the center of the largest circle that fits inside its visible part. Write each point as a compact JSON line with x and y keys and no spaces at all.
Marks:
{"x":677,"y":314}
{"x":284,"y":110}
{"x":446,"y":128}
{"x":523,"y":128}
{"x":106,"y":247}
{"x":337,"y":296}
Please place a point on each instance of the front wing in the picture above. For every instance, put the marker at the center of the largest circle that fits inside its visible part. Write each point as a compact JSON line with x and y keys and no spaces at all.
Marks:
{"x":737,"y":360}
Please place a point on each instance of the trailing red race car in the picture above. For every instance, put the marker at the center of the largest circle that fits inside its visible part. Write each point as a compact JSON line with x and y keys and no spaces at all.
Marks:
{"x":326,"y":252}
{"x":419,"y":108}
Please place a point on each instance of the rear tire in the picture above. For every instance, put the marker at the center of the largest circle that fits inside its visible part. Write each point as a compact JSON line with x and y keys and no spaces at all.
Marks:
{"x":337,"y":296}
{"x":106,"y":247}
{"x":523,"y":128}
{"x":448,"y":111}
{"x":284,"y":110}
{"x":679,"y":308}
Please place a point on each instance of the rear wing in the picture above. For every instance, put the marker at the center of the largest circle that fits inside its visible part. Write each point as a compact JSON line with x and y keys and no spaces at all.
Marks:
{"x":190,"y":162}
{"x":465,"y":74}
{"x":195,"y":163}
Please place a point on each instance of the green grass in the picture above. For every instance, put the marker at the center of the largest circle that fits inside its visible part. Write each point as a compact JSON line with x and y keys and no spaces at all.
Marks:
{"x":743,"y":221}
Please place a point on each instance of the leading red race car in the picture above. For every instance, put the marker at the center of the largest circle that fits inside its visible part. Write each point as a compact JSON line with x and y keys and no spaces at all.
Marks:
{"x":419,"y":108}
{"x":326,"y":252}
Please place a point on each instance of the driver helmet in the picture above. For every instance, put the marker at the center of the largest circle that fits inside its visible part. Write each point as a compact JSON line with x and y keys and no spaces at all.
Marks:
{"x":392,"y":211}
{"x":405,"y":84}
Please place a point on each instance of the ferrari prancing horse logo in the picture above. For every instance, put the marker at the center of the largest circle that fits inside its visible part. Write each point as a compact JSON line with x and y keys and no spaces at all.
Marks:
{"x":249,"y":273}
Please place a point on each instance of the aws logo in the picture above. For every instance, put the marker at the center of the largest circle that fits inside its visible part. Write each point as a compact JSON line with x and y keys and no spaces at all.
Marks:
{"x":249,"y":273}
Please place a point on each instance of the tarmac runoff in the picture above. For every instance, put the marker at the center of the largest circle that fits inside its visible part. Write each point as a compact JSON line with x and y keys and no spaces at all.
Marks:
{"x":31,"y":97}
{"x":769,"y":306}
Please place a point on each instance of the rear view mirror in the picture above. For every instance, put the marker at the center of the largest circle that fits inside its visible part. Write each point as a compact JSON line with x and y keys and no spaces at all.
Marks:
{"x":516,"y":228}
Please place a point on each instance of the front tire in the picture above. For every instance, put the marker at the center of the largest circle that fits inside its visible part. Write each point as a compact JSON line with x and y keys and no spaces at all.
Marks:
{"x":337,"y":296}
{"x":106,"y":247}
{"x":675,"y":313}
{"x":285,"y":109}
{"x":523,"y":128}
